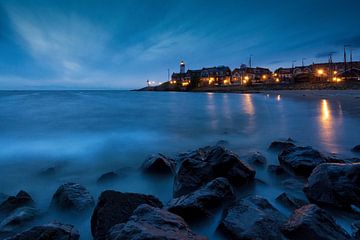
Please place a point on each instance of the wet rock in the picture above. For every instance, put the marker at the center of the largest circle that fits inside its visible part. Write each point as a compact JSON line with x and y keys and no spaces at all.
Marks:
{"x":148,"y":222}
{"x":290,"y":201}
{"x":208,"y":164}
{"x":159,"y":164}
{"x":201,"y":202}
{"x":293,"y":184}
{"x":116,"y":207}
{"x":336,"y":158}
{"x":21,"y":199}
{"x":73,"y":198}
{"x":18,"y":217}
{"x":108,"y":177}
{"x":312,"y":222}
{"x":255,"y":158}
{"x":335,"y":185}
{"x":281,"y":145}
{"x":52,"y":231}
{"x":301,"y":160}
{"x":356,"y":230}
{"x":252,"y":218}
{"x":356,"y":149}
{"x":276,"y":169}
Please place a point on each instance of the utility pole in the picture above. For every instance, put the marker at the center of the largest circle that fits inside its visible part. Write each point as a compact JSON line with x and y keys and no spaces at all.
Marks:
{"x":330,"y":66}
{"x":302,"y":62}
{"x":168,"y":74}
{"x":345,"y":58}
{"x":351,"y":57}
{"x":250,"y":60}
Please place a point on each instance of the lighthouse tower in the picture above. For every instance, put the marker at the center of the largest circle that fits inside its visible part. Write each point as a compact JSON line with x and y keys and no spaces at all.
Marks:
{"x":182,"y":67}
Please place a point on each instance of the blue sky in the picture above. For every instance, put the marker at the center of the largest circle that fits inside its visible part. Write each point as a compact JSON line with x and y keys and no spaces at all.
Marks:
{"x":88,"y":44}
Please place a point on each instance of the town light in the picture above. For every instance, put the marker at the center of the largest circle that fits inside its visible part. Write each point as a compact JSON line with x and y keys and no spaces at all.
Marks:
{"x":277,"y":80}
{"x":246,"y":78}
{"x":335,"y":72}
{"x":264,"y":77}
{"x":320,"y":72}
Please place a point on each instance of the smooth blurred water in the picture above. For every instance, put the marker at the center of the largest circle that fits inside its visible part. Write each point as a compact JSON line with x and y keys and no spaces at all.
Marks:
{"x":87,"y":133}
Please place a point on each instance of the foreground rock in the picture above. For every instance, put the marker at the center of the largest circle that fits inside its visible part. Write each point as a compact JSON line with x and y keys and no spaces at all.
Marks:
{"x":356,"y":149}
{"x":255,"y":158}
{"x":200,"y":203}
{"x":18,"y":218}
{"x":159,"y":164}
{"x":281,"y":145}
{"x":116,"y":207}
{"x":301,"y":160}
{"x":207,"y":164}
{"x":252,"y":218}
{"x":312,"y":222}
{"x":72,"y":197}
{"x":290,"y":201}
{"x":335,"y":185}
{"x":356,"y":230}
{"x":13,"y":202}
{"x":52,"y":231}
{"x":148,"y":222}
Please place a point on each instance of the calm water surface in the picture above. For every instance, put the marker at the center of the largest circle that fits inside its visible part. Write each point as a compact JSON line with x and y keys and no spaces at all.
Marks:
{"x":88,"y":133}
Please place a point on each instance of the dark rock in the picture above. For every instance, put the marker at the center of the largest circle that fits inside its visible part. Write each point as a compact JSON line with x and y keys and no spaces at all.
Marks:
{"x":201,"y":202}
{"x":148,"y":222}
{"x":52,"y":231}
{"x":281,"y":145}
{"x":312,"y":222}
{"x":255,"y":158}
{"x":18,"y":217}
{"x":301,"y":160}
{"x":3,"y":197}
{"x":159,"y":164}
{"x":72,"y":197}
{"x":276,"y":169}
{"x":107,"y":177}
{"x":336,"y":158}
{"x":356,"y":230}
{"x":356,"y":149}
{"x":116,"y":207}
{"x":252,"y":218}
{"x":22,"y":199}
{"x":290,"y":201}
{"x":336,"y":185}
{"x":293,"y":184}
{"x":208,"y":164}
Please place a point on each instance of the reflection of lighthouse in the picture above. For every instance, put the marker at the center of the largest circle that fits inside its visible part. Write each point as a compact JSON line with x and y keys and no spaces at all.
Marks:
{"x":182,"y":67}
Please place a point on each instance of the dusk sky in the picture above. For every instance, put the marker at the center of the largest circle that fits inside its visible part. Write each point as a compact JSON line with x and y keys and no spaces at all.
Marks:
{"x":86,"y":44}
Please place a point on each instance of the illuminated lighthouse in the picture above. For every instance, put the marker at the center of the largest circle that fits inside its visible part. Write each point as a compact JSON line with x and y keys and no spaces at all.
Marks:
{"x":182,"y":67}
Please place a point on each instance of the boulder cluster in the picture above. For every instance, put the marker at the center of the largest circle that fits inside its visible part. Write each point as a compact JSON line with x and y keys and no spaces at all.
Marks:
{"x":206,"y":181}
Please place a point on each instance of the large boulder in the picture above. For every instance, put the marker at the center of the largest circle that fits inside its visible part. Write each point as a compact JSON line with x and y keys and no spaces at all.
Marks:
{"x":201,"y":202}
{"x":252,"y":218}
{"x":52,"y":231}
{"x":159,"y":164}
{"x":255,"y":158}
{"x":148,"y":222}
{"x":18,"y":218}
{"x":13,"y":202}
{"x":336,"y":185}
{"x":73,"y":198}
{"x":301,"y":160}
{"x":116,"y":207}
{"x":312,"y":222}
{"x":290,"y":201}
{"x":207,"y":164}
{"x":281,"y":145}
{"x":355,"y":226}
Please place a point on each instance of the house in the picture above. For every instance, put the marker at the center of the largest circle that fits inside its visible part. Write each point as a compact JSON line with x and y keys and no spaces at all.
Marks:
{"x":215,"y":76}
{"x":246,"y":75}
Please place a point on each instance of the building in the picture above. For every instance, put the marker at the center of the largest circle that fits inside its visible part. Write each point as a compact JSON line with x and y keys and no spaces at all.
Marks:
{"x":247,"y":75}
{"x":215,"y":76}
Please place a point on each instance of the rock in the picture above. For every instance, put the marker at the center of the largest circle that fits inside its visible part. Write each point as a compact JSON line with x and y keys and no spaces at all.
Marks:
{"x":281,"y":145}
{"x":301,"y":160}
{"x":255,"y":158}
{"x":148,"y":222}
{"x":21,"y":199}
{"x":208,"y":164}
{"x":73,"y":198}
{"x":107,"y":177}
{"x":52,"y":231}
{"x":50,"y":171}
{"x":356,"y":230}
{"x":252,"y":218}
{"x":276,"y":169}
{"x":3,"y":197}
{"x":290,"y":201}
{"x":159,"y":164}
{"x":116,"y":207}
{"x":334,"y":185}
{"x":201,"y":202}
{"x":18,"y":217}
{"x":336,"y":158}
{"x":292,"y":184}
{"x":356,"y":149}
{"x":312,"y":222}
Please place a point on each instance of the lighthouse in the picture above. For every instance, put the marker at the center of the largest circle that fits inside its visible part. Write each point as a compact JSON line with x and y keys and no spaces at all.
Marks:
{"x":182,"y":67}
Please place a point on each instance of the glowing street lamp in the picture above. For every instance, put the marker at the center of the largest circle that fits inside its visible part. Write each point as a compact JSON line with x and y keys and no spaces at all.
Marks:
{"x":320,"y":72}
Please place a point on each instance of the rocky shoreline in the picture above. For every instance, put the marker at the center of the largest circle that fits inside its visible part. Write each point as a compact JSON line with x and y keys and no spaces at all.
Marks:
{"x":206,"y":180}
